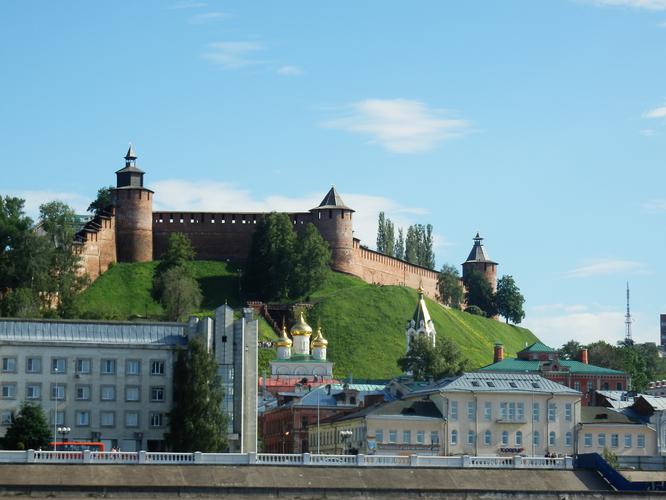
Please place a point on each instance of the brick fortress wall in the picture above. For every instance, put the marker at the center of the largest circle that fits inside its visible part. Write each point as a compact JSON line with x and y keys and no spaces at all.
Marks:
{"x":96,"y":244}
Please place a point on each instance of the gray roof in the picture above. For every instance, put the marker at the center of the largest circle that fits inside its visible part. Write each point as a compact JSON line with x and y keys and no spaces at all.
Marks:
{"x":656,"y":402}
{"x":498,"y":382}
{"x":401,"y":407}
{"x":92,"y":332}
{"x":321,"y":397}
{"x":478,"y":253}
{"x":131,"y":155}
{"x":332,"y":200}
{"x":601,"y":415}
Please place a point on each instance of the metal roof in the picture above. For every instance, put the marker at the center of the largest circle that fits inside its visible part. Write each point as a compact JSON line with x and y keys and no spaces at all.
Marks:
{"x":538,"y":347}
{"x":478,"y":252}
{"x":421,"y":313}
{"x":320,"y":395}
{"x":602,"y":415}
{"x":333,"y":200}
{"x":657,"y":403}
{"x":498,"y":382}
{"x":92,"y":332}
{"x":524,"y":365}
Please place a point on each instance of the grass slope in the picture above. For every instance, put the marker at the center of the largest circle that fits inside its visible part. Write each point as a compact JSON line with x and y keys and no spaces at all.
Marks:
{"x":365,"y":324}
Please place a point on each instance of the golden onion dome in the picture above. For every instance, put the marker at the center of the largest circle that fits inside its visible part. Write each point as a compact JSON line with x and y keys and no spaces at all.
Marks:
{"x":284,"y":340}
{"x":319,"y":340}
{"x":301,"y":327}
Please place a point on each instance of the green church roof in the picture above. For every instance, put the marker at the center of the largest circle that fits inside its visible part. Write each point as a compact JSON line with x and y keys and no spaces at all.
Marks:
{"x":538,"y":347}
{"x":523,"y":365}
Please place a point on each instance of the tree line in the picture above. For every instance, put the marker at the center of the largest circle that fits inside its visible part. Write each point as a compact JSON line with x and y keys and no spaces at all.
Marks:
{"x":416,"y":247}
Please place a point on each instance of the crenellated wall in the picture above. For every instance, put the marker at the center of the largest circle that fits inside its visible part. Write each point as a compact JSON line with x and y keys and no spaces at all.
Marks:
{"x":96,"y":245}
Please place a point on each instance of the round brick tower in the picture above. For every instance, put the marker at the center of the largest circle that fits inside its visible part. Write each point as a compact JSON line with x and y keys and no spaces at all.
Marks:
{"x":134,"y":213}
{"x":334,"y":220}
{"x":478,"y":261}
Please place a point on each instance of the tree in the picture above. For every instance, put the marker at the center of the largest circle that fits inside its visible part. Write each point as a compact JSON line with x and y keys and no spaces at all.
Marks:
{"x":479,"y":293}
{"x":602,"y":353}
{"x":400,"y":245}
{"x":450,"y":289}
{"x":389,"y":245}
{"x":427,"y":253}
{"x":197,"y":422}
{"x":570,"y":350}
{"x":425,"y":361}
{"x":509,"y":300}
{"x":313,"y":259}
{"x":419,"y":245}
{"x":103,"y":201}
{"x":180,"y":293}
{"x":381,"y":233}
{"x":29,"y":429}
{"x":179,"y":254}
{"x":411,"y":245}
{"x":634,"y":365}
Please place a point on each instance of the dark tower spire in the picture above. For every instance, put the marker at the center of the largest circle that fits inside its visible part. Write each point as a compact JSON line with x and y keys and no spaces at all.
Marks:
{"x":627,"y":322}
{"x":478,"y":260}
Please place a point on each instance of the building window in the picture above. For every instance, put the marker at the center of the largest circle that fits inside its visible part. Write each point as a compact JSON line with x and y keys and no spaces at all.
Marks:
{"x":470,"y":437}
{"x":379,"y":435}
{"x":471,"y":410}
{"x":551,"y":438}
{"x":552,"y":412}
{"x":519,"y":438}
{"x":487,"y":410}
{"x":587,"y":440}
{"x":157,"y":420}
{"x":8,"y":391}
{"x":393,"y":436}
{"x":536,"y":412}
{"x":627,"y":440}
{"x":407,"y":437}
{"x":107,"y":418}
{"x":420,"y":437}
{"x":618,"y":386}
{"x":487,"y":438}
{"x":590,"y":386}
{"x":503,"y":410}
{"x":434,"y":437}
{"x":536,"y":438}
{"x":58,"y":418}
{"x":33,"y":365}
{"x":601,"y":439}
{"x":505,"y":438}
{"x":615,"y":440}
{"x":83,"y":365}
{"x":58,"y":365}
{"x":132,"y":393}
{"x":58,"y":392}
{"x":521,"y":412}
{"x":9,"y":365}
{"x":568,"y":412}
{"x":6,"y":418}
{"x":157,"y":367}
{"x":640,"y":441}
{"x":454,"y":410}
{"x":108,"y":393}
{"x":83,"y":392}
{"x":132,"y":419}
{"x":577,"y":385}
{"x":83,"y":418}
{"x":133,"y":367}
{"x":33,"y":391}
{"x":108,"y":366}
{"x":568,"y":439}
{"x":454,"y":437}
{"x":157,"y":394}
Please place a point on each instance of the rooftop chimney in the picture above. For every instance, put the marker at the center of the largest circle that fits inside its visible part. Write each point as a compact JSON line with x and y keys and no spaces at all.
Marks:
{"x":499,"y":353}
{"x":583,"y":356}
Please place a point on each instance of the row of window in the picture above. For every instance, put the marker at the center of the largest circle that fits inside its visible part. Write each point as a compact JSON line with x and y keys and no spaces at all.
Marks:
{"x":332,"y":437}
{"x":511,"y":411}
{"x":107,"y":366}
{"x":614,"y":440}
{"x":505,"y":438}
{"x":605,"y":386}
{"x":83,"y":392}
{"x":83,"y":418}
{"x":406,"y":437}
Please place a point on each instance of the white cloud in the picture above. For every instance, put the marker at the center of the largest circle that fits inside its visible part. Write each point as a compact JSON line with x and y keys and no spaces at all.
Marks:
{"x":208,"y":17}
{"x":602,"y":267}
{"x":655,"y":205}
{"x":638,"y":4}
{"x":659,"y":112}
{"x":33,"y":199}
{"x":647,"y":132}
{"x":399,"y":125}
{"x":233,"y":54}
{"x":290,"y":70}
{"x":188,"y":4}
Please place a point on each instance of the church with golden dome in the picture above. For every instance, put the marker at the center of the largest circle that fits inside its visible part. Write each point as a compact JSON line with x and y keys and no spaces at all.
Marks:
{"x":299,"y":354}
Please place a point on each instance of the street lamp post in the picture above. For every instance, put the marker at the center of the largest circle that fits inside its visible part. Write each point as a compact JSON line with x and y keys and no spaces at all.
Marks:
{"x":65,"y":432}
{"x":55,"y":409}
{"x":344,"y":436}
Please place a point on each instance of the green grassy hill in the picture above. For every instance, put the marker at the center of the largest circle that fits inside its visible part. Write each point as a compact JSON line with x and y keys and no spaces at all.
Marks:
{"x":364,"y":324}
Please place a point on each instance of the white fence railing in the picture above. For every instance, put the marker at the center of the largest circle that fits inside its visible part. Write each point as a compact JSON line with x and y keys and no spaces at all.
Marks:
{"x":307,"y":459}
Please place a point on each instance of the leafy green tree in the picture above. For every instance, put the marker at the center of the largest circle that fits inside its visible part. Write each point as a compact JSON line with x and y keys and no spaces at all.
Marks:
{"x":602,"y":353}
{"x":479,"y":293}
{"x":634,"y":365}
{"x":412,"y":245}
{"x":103,"y":201}
{"x":21,"y":303}
{"x":314,"y":258}
{"x":181,"y":293}
{"x":570,"y":350}
{"x":450,"y":289}
{"x":179,"y":254}
{"x":424,"y":361}
{"x":653,"y":363}
{"x":381,"y":233}
{"x":427,"y":253}
{"x":509,"y":300}
{"x":419,"y":245}
{"x":29,"y":429}
{"x":400,"y":245}
{"x":197,"y":422}
{"x":14,"y":228}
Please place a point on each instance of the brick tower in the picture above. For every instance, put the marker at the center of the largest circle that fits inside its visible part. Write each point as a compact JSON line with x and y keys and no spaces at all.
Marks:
{"x":134,"y":213}
{"x":478,"y":261}
{"x":334,"y":220}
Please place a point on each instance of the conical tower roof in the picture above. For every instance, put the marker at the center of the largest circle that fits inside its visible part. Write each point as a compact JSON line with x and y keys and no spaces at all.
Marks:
{"x":301,"y":327}
{"x":421,"y":313}
{"x":130,"y":162}
{"x":131,"y":155}
{"x":332,"y":200}
{"x":319,"y":340}
{"x":478,"y":252}
{"x":284,"y":340}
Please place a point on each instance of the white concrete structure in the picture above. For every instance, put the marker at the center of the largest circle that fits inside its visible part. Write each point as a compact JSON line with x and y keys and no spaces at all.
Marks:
{"x":420,"y":324}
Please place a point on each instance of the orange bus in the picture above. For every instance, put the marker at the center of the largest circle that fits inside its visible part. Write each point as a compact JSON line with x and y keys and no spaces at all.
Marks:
{"x":76,"y":446}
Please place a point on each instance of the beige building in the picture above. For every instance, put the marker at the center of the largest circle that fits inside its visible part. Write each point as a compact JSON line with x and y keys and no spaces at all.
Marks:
{"x":617,"y":431}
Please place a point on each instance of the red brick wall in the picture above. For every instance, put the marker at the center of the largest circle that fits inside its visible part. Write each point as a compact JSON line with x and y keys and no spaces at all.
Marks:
{"x":134,"y":227}
{"x":98,"y":250}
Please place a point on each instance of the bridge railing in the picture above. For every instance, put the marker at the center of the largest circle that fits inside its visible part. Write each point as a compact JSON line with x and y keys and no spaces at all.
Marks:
{"x":306,"y":459}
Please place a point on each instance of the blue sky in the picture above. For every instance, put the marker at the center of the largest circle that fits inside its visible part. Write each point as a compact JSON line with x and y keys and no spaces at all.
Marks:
{"x":540,"y":124}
